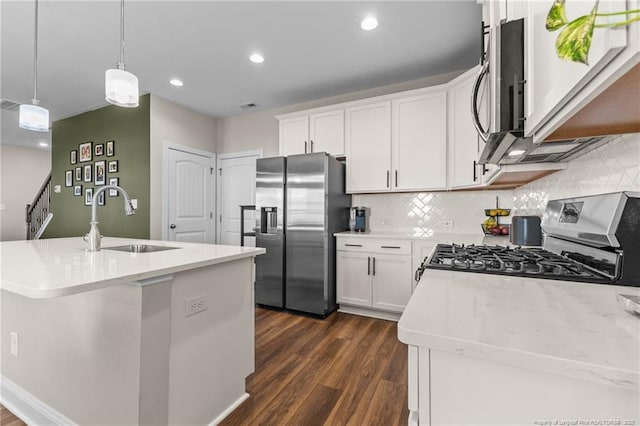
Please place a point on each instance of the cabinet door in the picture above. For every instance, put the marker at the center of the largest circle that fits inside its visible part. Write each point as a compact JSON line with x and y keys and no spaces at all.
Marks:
{"x":392,"y":281}
{"x":353,"y":280}
{"x":551,"y":81}
{"x":420,"y":142}
{"x":368,"y":147}
{"x":462,"y":136}
{"x":326,"y":132}
{"x":294,"y":135}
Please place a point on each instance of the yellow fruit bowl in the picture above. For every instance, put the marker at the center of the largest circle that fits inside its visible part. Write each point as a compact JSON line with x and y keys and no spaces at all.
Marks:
{"x":497,"y":212}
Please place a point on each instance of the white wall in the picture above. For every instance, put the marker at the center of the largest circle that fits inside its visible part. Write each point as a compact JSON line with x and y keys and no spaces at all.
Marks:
{"x":259,"y":130}
{"x":22,"y":173}
{"x":173,"y":123}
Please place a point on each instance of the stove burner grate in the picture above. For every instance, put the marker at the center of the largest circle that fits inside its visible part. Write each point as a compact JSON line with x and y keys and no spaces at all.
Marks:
{"x":529,"y":262}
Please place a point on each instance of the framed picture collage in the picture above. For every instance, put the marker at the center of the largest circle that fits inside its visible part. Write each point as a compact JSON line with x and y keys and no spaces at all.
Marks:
{"x":93,"y":166}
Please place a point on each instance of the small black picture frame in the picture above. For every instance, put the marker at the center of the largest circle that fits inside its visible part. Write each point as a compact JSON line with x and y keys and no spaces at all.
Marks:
{"x":113,"y":166}
{"x":111,"y":149}
{"x":101,"y":199}
{"x":101,"y":173}
{"x":74,"y":156}
{"x":77,"y":191}
{"x":98,"y":149}
{"x":85,"y":151}
{"x":113,"y":181}
{"x":78,"y":174}
{"x":88,"y":196}
{"x":88,"y":173}
{"x":68,"y":178}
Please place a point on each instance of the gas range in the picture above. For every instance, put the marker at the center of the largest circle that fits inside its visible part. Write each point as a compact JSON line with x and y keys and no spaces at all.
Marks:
{"x":515,"y":261}
{"x":594,"y":239}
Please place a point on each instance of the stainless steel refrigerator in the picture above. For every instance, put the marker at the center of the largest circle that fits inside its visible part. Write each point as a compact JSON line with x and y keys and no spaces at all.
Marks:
{"x":300,"y":203}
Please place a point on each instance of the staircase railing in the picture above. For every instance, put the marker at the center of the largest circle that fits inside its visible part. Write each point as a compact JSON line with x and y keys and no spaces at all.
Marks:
{"x":38,"y":210}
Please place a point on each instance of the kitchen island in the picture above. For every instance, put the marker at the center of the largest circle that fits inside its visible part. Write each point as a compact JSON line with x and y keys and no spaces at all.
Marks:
{"x":113,"y":337}
{"x":489,"y":349}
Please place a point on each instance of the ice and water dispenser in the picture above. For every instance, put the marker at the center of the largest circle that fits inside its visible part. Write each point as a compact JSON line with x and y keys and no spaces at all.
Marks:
{"x":269,"y":220}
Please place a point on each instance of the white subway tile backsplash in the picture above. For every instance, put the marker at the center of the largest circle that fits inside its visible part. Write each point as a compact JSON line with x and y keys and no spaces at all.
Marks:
{"x":423,"y":213}
{"x":613,"y":167}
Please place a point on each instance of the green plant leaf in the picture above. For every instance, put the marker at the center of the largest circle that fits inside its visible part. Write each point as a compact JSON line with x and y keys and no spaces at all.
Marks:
{"x":574,"y":41}
{"x":557,"y":17}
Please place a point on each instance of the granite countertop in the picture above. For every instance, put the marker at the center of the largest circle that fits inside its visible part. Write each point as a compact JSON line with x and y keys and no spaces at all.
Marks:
{"x":576,"y":330}
{"x":63,"y":266}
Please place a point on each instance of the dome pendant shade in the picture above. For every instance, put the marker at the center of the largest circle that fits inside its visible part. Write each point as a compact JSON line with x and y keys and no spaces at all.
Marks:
{"x":121,"y":88}
{"x":34,"y":117}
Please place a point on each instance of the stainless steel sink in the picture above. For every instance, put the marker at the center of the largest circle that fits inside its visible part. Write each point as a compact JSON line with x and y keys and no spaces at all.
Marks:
{"x":140,"y":248}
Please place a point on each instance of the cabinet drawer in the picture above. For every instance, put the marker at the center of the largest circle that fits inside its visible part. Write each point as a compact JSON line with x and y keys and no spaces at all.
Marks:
{"x":374,"y":245}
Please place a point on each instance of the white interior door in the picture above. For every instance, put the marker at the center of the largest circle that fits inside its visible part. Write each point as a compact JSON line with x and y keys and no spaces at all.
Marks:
{"x":236,"y":187}
{"x":190,"y":199}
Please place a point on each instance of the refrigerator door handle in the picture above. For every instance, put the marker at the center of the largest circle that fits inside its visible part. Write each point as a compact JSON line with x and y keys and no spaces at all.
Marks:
{"x":369,"y":265}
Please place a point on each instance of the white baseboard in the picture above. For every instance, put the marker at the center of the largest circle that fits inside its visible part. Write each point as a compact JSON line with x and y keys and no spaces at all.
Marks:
{"x":373,"y":313}
{"x":229,"y":409}
{"x":27,"y":407}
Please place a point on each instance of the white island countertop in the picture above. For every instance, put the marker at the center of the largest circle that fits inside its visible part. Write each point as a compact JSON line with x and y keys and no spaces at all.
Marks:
{"x":63,"y":266}
{"x":575,"y":330}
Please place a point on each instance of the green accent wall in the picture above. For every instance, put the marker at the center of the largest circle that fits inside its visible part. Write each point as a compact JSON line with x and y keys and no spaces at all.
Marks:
{"x":130,"y":129}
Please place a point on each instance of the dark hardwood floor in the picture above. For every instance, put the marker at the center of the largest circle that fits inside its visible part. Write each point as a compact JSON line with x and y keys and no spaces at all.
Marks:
{"x":344,"y":370}
{"x":8,"y":419}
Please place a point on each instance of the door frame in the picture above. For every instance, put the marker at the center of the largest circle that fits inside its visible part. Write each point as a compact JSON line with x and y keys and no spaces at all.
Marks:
{"x":166,"y":146}
{"x":227,"y":156}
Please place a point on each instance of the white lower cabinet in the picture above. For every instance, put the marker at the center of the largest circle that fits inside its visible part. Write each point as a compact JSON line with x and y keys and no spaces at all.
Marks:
{"x":373,"y":277}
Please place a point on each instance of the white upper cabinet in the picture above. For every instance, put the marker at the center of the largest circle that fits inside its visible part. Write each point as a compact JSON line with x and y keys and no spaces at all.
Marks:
{"x":553,"y":82}
{"x":462,"y":136}
{"x":318,"y":132}
{"x":326,"y":132}
{"x":419,"y":142}
{"x":398,"y":145}
{"x":368,"y":147}
{"x":294,"y":135}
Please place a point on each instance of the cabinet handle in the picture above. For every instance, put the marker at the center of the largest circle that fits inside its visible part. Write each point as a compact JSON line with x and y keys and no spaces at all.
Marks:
{"x":475,"y":164}
{"x":393,"y":247}
{"x":311,"y":150}
{"x":396,"y":178}
{"x":305,"y":147}
{"x":368,"y":265}
{"x":388,"y":186}
{"x":374,"y":266}
{"x":353,"y":245}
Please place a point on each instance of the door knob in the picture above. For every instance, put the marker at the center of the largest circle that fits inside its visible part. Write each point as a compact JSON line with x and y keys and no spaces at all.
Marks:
{"x":172,"y":226}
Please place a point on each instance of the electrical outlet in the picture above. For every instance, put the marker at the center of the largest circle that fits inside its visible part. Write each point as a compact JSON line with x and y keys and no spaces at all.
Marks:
{"x":447,"y":223}
{"x":14,"y":343}
{"x":195,"y":305}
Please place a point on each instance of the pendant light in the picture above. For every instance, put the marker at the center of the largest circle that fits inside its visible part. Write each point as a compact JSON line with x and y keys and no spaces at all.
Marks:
{"x":34,"y":117}
{"x":121,"y":87}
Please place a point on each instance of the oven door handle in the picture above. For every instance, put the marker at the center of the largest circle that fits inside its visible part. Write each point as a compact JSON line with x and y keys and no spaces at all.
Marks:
{"x":484,"y":71}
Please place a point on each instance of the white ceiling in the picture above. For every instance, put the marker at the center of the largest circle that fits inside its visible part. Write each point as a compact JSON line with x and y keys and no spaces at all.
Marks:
{"x":312,"y":50}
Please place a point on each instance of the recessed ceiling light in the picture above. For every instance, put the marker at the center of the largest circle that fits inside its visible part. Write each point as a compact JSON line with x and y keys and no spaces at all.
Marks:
{"x":176,"y":82}
{"x":516,"y":152}
{"x":369,"y":23}
{"x":256,"y":58}
{"x":43,"y":144}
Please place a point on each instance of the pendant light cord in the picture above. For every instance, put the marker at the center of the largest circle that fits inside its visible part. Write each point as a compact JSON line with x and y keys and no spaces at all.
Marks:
{"x":35,"y":58}
{"x":121,"y":64}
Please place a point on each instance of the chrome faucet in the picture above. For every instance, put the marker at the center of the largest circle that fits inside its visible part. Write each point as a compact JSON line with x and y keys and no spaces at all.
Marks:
{"x":94,"y":237}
